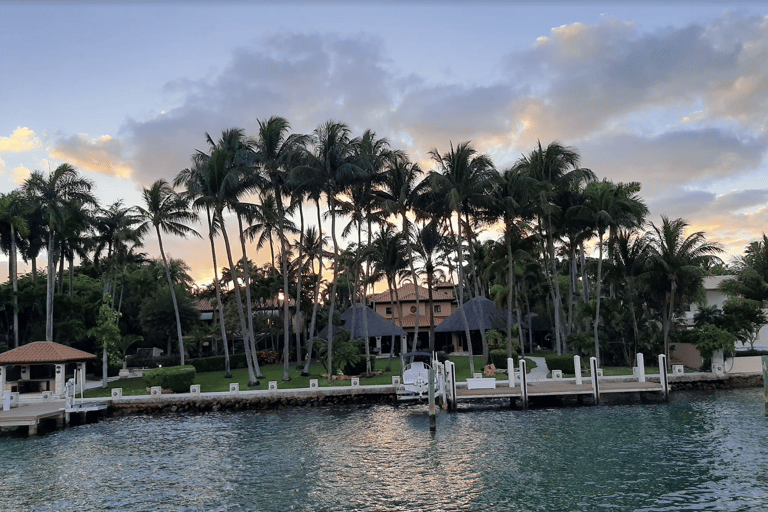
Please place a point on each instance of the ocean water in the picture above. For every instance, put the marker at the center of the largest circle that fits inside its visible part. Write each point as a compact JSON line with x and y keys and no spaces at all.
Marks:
{"x":700,"y":451}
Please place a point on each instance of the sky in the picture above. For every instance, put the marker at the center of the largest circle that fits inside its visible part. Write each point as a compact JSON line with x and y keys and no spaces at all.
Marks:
{"x":671,"y":94}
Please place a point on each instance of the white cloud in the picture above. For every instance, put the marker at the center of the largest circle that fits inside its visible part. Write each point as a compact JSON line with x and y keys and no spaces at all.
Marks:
{"x":21,"y":140}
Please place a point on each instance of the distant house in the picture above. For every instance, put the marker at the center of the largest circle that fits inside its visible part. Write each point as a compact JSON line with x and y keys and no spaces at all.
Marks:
{"x":443,"y":305}
{"x":714,"y":297}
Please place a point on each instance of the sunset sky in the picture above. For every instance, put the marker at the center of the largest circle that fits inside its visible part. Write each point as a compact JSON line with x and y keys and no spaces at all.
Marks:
{"x":671,"y":94}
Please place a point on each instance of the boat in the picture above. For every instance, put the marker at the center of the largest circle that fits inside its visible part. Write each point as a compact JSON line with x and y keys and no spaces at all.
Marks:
{"x":414,"y":384}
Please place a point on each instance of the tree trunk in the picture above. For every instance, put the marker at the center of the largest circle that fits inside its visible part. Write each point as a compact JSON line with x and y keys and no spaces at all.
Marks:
{"x":49,"y":290}
{"x":219,"y":304}
{"x":173,"y":298}
{"x":251,"y":344}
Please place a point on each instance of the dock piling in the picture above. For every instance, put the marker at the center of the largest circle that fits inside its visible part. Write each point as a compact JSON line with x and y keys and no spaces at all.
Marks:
{"x":431,"y":388}
{"x":595,"y":383}
{"x":524,"y":382}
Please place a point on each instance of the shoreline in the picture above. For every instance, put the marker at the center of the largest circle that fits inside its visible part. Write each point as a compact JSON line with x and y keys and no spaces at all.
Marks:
{"x":361,"y":396}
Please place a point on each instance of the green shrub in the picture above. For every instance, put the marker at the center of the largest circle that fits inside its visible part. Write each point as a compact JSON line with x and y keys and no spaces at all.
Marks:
{"x":499,"y":358}
{"x":176,"y":378}
{"x":266,"y":357}
{"x":564,"y":363}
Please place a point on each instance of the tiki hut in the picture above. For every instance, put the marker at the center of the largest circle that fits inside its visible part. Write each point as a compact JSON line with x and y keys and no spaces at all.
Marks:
{"x":481,"y":313}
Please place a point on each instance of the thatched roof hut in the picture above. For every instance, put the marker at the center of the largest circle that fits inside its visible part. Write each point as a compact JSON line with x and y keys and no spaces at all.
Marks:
{"x":377,"y":324}
{"x":481,"y":313}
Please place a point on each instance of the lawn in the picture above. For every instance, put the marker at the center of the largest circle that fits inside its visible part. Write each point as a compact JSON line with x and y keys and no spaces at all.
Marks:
{"x":215,"y":382}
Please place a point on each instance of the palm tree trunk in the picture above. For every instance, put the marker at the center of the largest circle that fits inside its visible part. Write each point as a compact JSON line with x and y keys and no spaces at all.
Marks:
{"x":316,"y":298}
{"x":510,"y":294}
{"x":298,"y":326}
{"x":406,"y":233}
{"x":332,"y":208}
{"x":15,"y":281}
{"x":219,"y":304}
{"x":173,"y":297}
{"x":460,"y":263}
{"x":598,"y":296}
{"x":49,"y":290}
{"x":251,"y":345}
{"x":252,"y":379}
{"x":286,"y":290}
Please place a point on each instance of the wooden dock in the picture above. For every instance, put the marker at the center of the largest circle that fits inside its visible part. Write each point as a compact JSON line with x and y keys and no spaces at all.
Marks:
{"x":31,"y":415}
{"x":57,"y":412}
{"x":559,"y":388}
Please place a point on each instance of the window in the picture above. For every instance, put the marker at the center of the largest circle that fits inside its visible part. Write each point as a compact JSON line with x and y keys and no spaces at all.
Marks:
{"x":413,"y":309}
{"x":437,"y":308}
{"x":389,"y":311}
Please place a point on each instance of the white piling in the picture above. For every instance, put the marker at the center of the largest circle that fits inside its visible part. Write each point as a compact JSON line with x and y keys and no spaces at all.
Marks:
{"x":511,"y":371}
{"x":663,"y":376}
{"x":577,"y":369}
{"x":640,"y":368}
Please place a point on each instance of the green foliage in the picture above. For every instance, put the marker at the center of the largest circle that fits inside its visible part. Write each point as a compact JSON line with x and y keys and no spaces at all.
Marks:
{"x":157,"y":317}
{"x":499,"y":358}
{"x":709,"y":338}
{"x":564,"y":363}
{"x":347,"y":354}
{"x":107,"y":332}
{"x":743,"y":318}
{"x":176,"y":378}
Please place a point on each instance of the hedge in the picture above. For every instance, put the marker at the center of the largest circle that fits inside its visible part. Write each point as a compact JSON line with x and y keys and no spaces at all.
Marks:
{"x":176,"y":378}
{"x":499,"y":358}
{"x":564,"y":363}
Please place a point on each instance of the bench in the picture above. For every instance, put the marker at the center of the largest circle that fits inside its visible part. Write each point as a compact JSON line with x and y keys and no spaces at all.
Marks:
{"x":481,"y":383}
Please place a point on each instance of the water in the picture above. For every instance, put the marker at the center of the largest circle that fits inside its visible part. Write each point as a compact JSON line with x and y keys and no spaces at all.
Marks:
{"x":698,"y":452}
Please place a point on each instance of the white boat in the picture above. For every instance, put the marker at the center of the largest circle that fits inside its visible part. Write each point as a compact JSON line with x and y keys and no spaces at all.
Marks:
{"x":415,"y":379}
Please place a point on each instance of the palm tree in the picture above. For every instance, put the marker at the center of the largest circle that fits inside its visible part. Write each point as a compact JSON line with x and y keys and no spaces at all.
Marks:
{"x":399,"y":195}
{"x":12,"y":214}
{"x":334,"y":166}
{"x":202,"y":190}
{"x":278,"y":152}
{"x":610,"y":206}
{"x":751,"y":281}
{"x":556,"y":171}
{"x":429,"y":243}
{"x":225,"y":168}
{"x":676,"y":263}
{"x":463,"y":180}
{"x":55,"y":194}
{"x":388,"y":256}
{"x":168,"y":212}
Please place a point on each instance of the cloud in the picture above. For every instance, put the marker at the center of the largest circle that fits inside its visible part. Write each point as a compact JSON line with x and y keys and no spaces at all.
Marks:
{"x":21,"y":140}
{"x":674,"y":158}
{"x":589,"y":78}
{"x":20,"y":175}
{"x":103,"y":155}
{"x":2,"y":167}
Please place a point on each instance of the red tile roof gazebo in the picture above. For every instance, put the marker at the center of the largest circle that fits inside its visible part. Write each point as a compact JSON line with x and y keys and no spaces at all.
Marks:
{"x":28,"y":378}
{"x":44,"y":352}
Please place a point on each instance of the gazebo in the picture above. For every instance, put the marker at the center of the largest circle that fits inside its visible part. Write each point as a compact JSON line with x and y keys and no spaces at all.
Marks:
{"x":40,"y":367}
{"x":481,"y":313}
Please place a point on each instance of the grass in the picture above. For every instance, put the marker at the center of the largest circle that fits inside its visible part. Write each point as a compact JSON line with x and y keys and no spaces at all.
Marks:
{"x":211,"y":382}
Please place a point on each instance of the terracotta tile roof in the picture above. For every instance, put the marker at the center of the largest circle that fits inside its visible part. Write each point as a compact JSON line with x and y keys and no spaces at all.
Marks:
{"x":408,"y":294}
{"x":203,"y":305}
{"x":43,"y":352}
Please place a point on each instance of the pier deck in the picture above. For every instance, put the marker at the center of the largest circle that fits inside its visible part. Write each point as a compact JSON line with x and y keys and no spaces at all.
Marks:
{"x":31,"y":415}
{"x":562,"y":388}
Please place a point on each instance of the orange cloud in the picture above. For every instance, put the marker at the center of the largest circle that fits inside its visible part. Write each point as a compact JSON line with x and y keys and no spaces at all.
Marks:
{"x":20,"y":175}
{"x":102,"y":155}
{"x":22,"y":139}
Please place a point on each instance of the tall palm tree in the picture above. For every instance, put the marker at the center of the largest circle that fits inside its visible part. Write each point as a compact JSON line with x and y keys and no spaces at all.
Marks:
{"x":12,"y":214}
{"x":677,"y":263}
{"x":610,"y":206}
{"x":54,"y":194}
{"x":556,"y":171}
{"x":202,"y":189}
{"x":463,"y":179}
{"x":167,"y":212}
{"x":226,"y":168}
{"x":751,"y":281}
{"x":278,"y":152}
{"x":400,"y":194}
{"x":429,"y":242}
{"x":335,"y":166}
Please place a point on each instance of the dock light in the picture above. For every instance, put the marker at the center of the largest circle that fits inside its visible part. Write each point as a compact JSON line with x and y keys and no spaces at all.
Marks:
{"x":159,"y":366}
